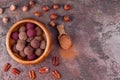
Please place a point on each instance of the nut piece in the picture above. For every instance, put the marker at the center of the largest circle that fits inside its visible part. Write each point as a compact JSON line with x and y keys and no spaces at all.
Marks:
{"x":22,"y":36}
{"x":45,"y":8}
{"x":52,"y":24}
{"x":67,"y":7}
{"x":31,"y":3}
{"x":20,"y":45}
{"x":5,"y":19}
{"x":56,"y":74}
{"x":28,"y":50}
{"x":32,"y":74}
{"x":38,"y":52}
{"x":7,"y":67}
{"x":43,"y":70}
{"x":35,"y":43}
{"x":53,"y":16}
{"x":15,"y":71}
{"x":66,"y":18}
{"x":37,"y":13}
{"x":38,"y":31}
{"x":22,"y":29}
{"x":55,"y":6}
{"x":55,"y":61}
{"x":25,"y":8}
{"x":1,"y":10}
{"x":12,"y":7}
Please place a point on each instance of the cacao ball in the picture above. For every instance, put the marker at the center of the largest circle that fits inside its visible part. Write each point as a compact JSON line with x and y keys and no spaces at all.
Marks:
{"x":35,"y":43}
{"x":30,"y":25}
{"x":31,"y":57}
{"x":43,"y":44}
{"x":38,"y":31}
{"x":31,"y":33}
{"x":15,"y":35}
{"x":20,"y":45}
{"x":28,"y":50}
{"x":22,"y":36}
{"x":38,"y":52}
{"x":22,"y":29}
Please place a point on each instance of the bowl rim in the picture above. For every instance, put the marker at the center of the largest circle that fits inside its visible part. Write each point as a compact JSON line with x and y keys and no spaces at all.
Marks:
{"x":48,"y":40}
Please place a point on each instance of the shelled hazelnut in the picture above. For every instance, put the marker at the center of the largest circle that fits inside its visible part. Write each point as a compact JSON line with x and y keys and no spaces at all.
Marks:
{"x":37,"y":13}
{"x":52,"y":24}
{"x":25,"y":8}
{"x":12,"y":7}
{"x":67,"y":7}
{"x":1,"y":10}
{"x":5,"y":19}
{"x":55,"y":6}
{"x":53,"y":16}
{"x":31,"y":3}
{"x":66,"y":18}
{"x":45,"y":8}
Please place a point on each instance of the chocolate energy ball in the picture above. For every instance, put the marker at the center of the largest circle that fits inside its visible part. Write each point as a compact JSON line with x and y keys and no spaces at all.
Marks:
{"x":14,"y":48}
{"x":22,"y":29}
{"x":38,"y":31}
{"x":30,"y":25}
{"x":22,"y":36}
{"x":39,"y":38}
{"x":31,"y":57}
{"x":28,"y":50}
{"x":22,"y":54}
{"x":35,"y":43}
{"x":38,"y":52}
{"x":31,"y":33}
{"x":43,"y":44}
{"x":29,"y":39}
{"x":15,"y":35}
{"x":20,"y":45}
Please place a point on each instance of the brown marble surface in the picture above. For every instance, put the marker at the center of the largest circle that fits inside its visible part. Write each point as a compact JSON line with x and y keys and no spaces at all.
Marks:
{"x":95,"y":32}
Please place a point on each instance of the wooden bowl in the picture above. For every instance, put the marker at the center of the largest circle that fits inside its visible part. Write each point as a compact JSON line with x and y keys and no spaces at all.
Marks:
{"x":9,"y":42}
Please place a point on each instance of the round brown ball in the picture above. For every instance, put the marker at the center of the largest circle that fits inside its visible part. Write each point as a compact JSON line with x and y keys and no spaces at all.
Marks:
{"x":22,"y":29}
{"x":38,"y":52}
{"x":22,"y":54}
{"x":14,"y":48}
{"x":20,"y":45}
{"x":22,"y":36}
{"x":39,"y":30}
{"x":28,"y":50}
{"x":43,"y":44}
{"x":35,"y":43}
{"x":39,"y":38}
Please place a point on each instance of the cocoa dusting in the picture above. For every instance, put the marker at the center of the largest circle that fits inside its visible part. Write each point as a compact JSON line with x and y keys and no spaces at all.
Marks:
{"x":68,"y":54}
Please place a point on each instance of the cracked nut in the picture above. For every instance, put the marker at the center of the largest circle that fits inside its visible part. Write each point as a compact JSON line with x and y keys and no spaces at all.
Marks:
{"x":5,"y":19}
{"x":12,"y":7}
{"x":53,"y":16}
{"x":67,"y":7}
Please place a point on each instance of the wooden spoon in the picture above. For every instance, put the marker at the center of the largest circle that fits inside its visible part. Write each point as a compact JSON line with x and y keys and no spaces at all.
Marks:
{"x":64,"y":38}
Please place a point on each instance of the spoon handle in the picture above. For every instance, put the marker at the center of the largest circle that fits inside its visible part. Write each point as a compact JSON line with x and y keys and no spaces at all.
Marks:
{"x":61,"y":29}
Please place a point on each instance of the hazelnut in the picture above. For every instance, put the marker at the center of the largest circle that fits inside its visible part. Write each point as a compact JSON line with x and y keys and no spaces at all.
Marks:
{"x":31,"y":57}
{"x":28,"y":50}
{"x":14,"y":35}
{"x":31,"y":3}
{"x":20,"y":45}
{"x":30,"y":25}
{"x":66,"y":18}
{"x":38,"y":31}
{"x":22,"y":54}
{"x":5,"y":19}
{"x":22,"y":36}
{"x":14,"y":48}
{"x":22,"y":29}
{"x":35,"y":43}
{"x":45,"y":8}
{"x":53,"y":16}
{"x":43,"y":44}
{"x":1,"y":10}
{"x":12,"y":7}
{"x":31,"y":33}
{"x":29,"y":39}
{"x":67,"y":7}
{"x":25,"y":8}
{"x":37,"y":13}
{"x":52,"y":24}
{"x":39,"y":38}
{"x":38,"y":52}
{"x":55,"y":6}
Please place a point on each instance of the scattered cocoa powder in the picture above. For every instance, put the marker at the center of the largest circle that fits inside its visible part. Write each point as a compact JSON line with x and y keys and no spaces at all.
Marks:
{"x":68,"y":54}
